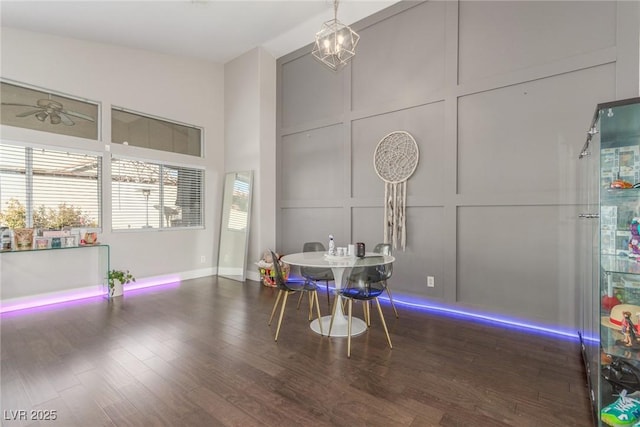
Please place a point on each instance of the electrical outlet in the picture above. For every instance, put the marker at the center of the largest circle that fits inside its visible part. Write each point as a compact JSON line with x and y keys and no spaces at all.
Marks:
{"x":431,"y":282}
{"x":202,"y":259}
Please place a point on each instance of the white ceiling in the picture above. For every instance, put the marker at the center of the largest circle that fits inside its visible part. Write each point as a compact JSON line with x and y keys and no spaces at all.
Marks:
{"x":211,"y":30}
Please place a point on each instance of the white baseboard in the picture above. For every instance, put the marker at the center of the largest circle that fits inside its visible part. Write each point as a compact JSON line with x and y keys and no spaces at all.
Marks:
{"x":47,"y":298}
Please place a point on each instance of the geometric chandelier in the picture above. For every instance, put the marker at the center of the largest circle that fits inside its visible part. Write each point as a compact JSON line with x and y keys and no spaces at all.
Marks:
{"x":335,"y":42}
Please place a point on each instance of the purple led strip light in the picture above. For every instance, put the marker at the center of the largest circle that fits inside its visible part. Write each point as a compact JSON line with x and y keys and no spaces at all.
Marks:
{"x":85,"y":294}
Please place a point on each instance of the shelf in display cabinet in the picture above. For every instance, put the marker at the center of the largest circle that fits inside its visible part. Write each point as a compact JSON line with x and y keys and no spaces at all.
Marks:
{"x":611,"y":343}
{"x":620,"y":264}
{"x":619,"y":194}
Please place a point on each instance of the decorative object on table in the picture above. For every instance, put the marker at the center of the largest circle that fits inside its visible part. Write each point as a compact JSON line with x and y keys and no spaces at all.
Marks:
{"x":332,"y":245}
{"x":395,"y":160}
{"x":55,"y":233}
{"x":360,"y":250}
{"x":118,"y":278}
{"x":70,"y":241}
{"x":57,"y":237}
{"x":42,"y":242}
{"x":23,"y":238}
{"x":335,"y":42}
{"x":56,"y":242}
{"x":5,"y":238}
{"x":89,"y":238}
{"x":267,"y":272}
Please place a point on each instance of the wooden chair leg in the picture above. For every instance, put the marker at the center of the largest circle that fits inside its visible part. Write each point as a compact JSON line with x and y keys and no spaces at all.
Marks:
{"x":391,"y":301}
{"x":364,"y":312}
{"x":310,"y":304}
{"x":367,"y":313}
{"x":275,"y":306}
{"x":284,"y":304}
{"x":349,"y":329}
{"x":299,"y":301}
{"x":384,"y":325}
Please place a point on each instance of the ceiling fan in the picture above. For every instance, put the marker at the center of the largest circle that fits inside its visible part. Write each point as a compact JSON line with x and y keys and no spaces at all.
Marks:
{"x":48,"y":108}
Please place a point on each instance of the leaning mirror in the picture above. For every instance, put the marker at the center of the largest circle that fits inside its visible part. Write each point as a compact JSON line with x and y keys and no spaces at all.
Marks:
{"x":234,"y":230}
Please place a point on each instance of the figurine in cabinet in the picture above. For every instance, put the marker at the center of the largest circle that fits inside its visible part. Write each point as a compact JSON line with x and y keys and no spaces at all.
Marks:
{"x":628,"y":329}
{"x":624,"y":319}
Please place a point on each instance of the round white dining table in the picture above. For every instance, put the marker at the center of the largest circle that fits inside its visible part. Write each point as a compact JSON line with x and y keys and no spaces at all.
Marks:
{"x":338,"y":265}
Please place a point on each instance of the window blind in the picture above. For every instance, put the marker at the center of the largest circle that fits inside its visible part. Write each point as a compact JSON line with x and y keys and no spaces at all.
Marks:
{"x":155,"y":196}
{"x":49,"y":189}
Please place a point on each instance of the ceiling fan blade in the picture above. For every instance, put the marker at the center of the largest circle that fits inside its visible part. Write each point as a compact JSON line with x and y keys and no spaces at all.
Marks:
{"x":20,"y":105}
{"x":78,"y":115}
{"x":65,"y":119}
{"x":28,"y":113}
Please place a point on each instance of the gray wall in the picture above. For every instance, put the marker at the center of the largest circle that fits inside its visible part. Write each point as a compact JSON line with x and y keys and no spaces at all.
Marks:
{"x":498,"y":96}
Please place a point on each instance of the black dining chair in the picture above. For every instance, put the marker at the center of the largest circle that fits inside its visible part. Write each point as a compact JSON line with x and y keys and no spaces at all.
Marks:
{"x":365,"y":283}
{"x":317,"y":274}
{"x":385,"y":249}
{"x":286,"y":288}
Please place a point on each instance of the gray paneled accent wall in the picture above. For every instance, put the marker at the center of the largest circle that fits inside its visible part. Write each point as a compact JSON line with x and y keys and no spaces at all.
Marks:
{"x":498,"y":96}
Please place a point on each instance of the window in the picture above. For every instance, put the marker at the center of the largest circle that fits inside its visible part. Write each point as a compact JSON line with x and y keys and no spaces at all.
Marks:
{"x":48,"y":112}
{"x":49,"y":189}
{"x":158,"y":134}
{"x":150,"y":195}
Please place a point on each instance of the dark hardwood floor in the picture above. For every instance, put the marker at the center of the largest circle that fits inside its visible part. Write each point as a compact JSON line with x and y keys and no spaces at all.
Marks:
{"x":201,"y":354}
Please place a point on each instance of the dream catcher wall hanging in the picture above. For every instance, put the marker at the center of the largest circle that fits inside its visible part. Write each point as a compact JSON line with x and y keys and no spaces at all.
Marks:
{"x":395,"y":160}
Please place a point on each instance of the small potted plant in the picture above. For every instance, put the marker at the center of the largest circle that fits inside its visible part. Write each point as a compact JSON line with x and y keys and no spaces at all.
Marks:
{"x":118,"y":278}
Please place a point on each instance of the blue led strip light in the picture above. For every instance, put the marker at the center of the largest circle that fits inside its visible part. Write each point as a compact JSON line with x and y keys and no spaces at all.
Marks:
{"x":495,"y":319}
{"x":488,"y":318}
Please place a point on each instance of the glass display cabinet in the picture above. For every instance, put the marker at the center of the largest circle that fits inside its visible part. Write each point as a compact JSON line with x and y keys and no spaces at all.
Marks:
{"x":609,"y":266}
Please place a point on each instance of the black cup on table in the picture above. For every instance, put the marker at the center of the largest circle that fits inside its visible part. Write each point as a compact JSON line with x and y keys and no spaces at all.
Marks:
{"x":360,"y":250}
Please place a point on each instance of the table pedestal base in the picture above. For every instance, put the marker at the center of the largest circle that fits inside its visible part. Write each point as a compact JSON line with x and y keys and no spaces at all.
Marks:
{"x":340,"y":326}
